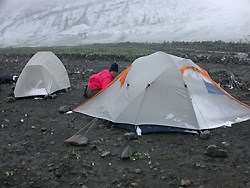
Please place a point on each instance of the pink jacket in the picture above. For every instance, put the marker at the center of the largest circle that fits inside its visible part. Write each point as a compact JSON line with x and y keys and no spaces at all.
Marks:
{"x":100,"y":80}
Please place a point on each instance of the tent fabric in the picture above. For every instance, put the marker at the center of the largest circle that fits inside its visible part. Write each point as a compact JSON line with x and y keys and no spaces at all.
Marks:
{"x":165,"y":90}
{"x":42,"y":75}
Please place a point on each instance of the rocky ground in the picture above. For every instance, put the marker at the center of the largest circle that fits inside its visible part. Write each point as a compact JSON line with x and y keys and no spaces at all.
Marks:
{"x":33,"y":131}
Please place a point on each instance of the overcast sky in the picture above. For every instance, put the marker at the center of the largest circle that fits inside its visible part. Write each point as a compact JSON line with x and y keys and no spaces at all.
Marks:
{"x":232,"y":4}
{"x":58,"y":20}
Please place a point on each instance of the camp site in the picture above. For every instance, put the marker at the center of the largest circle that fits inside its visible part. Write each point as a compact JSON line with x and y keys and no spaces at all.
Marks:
{"x":35,"y":126}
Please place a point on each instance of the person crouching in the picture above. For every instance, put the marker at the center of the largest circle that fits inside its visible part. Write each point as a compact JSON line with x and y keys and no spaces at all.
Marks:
{"x":99,"y":81}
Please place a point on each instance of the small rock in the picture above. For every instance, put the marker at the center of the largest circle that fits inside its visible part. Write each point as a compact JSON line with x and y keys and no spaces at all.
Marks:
{"x":162,"y":171}
{"x":134,"y":184}
{"x":185,"y":183}
{"x":155,"y":169}
{"x":119,"y":185}
{"x":58,"y":174}
{"x":77,"y":140}
{"x":205,"y":134}
{"x":106,"y":153}
{"x":163,"y":177}
{"x":64,"y":109}
{"x":119,"y":139}
{"x":127,"y":152}
{"x":53,"y":96}
{"x":43,"y":129}
{"x":225,"y":144}
{"x":101,"y":126}
{"x":130,"y":136}
{"x":115,"y":181}
{"x":50,"y":169}
{"x":47,"y":97}
{"x":214,"y":151}
{"x":52,"y":143}
{"x":83,"y":186}
{"x":20,"y":152}
{"x":93,"y":148}
{"x":150,"y":141}
{"x":11,"y":99}
{"x":138,"y":171}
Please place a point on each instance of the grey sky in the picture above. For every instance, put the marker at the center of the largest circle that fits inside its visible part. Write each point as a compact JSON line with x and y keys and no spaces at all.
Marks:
{"x":231,"y":4}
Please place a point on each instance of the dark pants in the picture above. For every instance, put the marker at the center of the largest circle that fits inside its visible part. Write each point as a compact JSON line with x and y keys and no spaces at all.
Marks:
{"x":90,"y":93}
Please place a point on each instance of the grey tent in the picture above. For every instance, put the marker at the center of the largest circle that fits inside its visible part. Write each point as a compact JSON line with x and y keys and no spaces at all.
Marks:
{"x":43,"y":75}
{"x":159,"y":91}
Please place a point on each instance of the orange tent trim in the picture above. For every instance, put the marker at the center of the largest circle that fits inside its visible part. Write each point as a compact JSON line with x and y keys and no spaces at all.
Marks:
{"x":205,"y":73}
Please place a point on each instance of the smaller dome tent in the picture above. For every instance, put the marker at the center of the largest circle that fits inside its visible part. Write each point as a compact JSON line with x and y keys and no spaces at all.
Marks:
{"x":44,"y":74}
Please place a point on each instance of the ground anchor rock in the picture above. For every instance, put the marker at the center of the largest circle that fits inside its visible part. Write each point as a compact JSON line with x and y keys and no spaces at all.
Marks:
{"x":77,"y":140}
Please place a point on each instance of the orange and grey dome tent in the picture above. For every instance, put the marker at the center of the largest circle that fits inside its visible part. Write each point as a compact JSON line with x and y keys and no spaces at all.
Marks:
{"x":159,"y":91}
{"x":44,"y":74}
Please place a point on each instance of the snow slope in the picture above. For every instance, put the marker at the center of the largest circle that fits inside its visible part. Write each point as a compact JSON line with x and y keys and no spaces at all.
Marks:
{"x":65,"y":22}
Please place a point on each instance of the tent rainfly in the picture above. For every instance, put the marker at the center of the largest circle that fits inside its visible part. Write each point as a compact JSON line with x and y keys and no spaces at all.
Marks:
{"x":160,"y":92}
{"x":44,"y":74}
